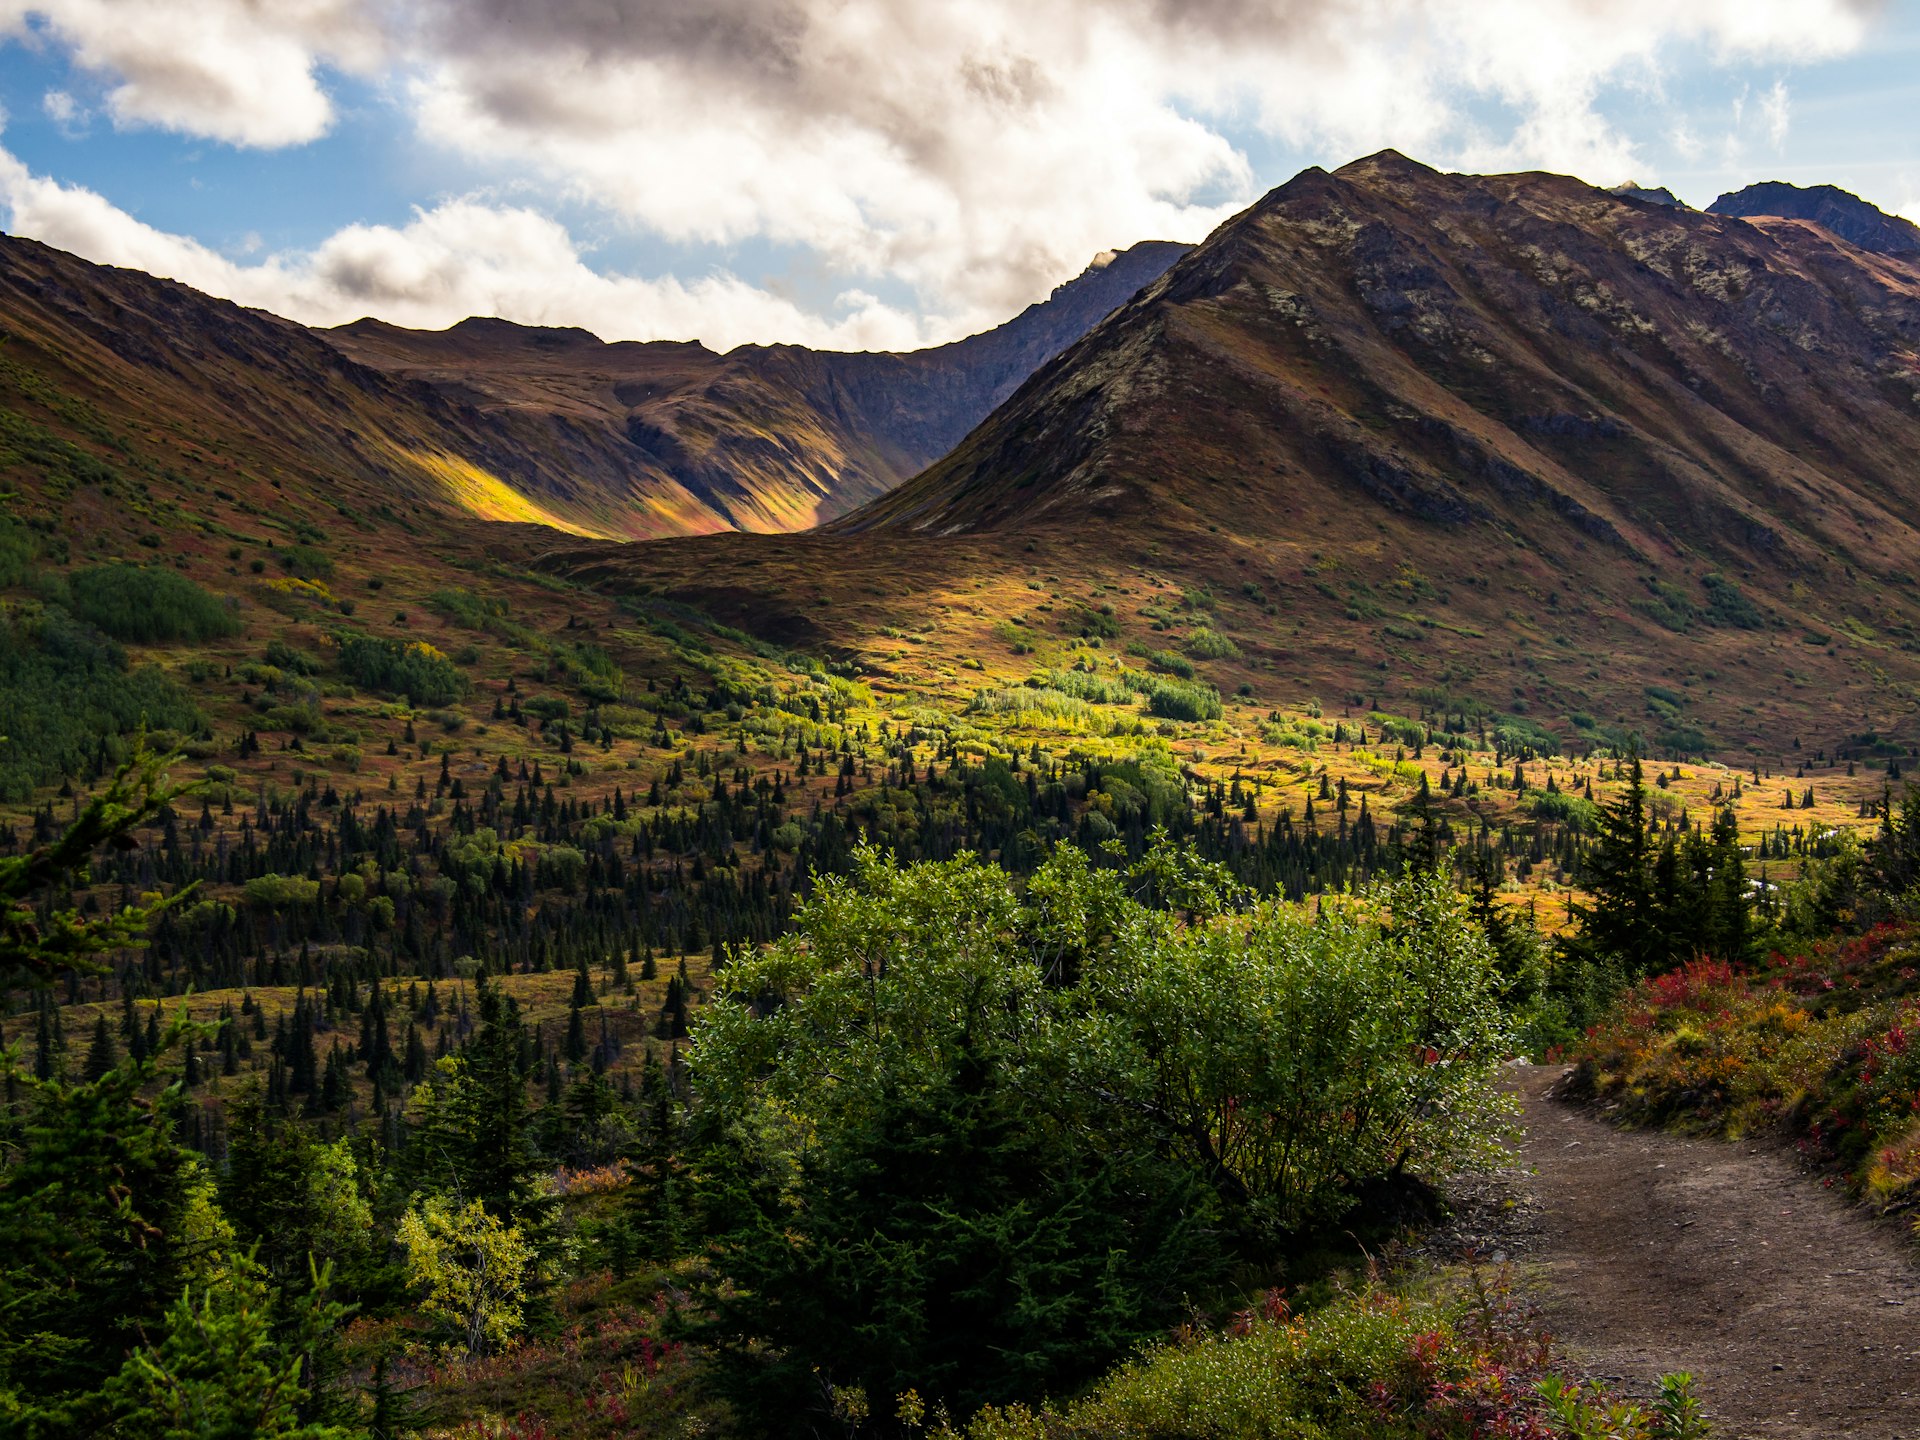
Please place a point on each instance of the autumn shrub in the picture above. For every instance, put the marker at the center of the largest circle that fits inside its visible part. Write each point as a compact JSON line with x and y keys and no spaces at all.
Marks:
{"x":1823,"y":1043}
{"x":1370,"y":1366}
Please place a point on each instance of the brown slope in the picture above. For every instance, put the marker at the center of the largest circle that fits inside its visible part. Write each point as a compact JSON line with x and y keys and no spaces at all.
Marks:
{"x":763,"y":438}
{"x":1509,"y":436}
{"x":158,"y":377}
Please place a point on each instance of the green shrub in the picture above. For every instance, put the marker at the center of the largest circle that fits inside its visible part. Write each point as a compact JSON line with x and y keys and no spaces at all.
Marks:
{"x":148,"y":605}
{"x":273,"y":891}
{"x":283,"y":656}
{"x":1575,"y":810}
{"x":305,"y":562}
{"x":1206,"y":643}
{"x":1022,"y":1163}
{"x":1094,"y":687}
{"x":476,"y":612}
{"x":1024,"y":700}
{"x":1170,"y":661}
{"x":17,"y":552}
{"x":1371,"y":1366}
{"x":1100,"y":623}
{"x":416,"y":670}
{"x":1728,"y":604}
{"x":1182,"y":700}
{"x":67,"y":698}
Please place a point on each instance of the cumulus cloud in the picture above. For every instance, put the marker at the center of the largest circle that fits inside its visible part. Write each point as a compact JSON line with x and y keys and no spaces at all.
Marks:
{"x":460,"y":258}
{"x":977,"y":151}
{"x":242,"y":71}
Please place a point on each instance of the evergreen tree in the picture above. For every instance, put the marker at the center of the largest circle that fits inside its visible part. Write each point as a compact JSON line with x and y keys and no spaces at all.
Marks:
{"x":102,"y":1057}
{"x":1729,"y":911}
{"x":92,"y":1245}
{"x":1622,"y":926}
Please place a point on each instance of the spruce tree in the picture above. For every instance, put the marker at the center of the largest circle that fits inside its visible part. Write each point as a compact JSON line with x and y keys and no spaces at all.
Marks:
{"x":1622,"y":926}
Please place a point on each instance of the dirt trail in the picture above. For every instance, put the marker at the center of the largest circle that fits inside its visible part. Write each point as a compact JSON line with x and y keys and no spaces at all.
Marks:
{"x":1796,"y":1316}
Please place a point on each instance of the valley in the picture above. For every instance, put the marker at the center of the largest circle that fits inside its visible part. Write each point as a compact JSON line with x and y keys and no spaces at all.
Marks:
{"x":562,"y":726}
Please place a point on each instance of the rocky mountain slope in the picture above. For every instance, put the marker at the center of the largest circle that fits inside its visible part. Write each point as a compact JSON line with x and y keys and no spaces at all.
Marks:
{"x":675,"y":438}
{"x":1854,"y":220}
{"x":498,"y":421}
{"x":1509,"y":436}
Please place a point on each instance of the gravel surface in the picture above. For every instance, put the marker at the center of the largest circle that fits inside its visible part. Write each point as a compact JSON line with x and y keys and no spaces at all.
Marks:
{"x":1797,"y":1315}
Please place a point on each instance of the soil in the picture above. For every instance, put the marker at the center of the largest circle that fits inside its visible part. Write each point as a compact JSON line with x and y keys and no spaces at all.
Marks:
{"x":1796,"y":1314}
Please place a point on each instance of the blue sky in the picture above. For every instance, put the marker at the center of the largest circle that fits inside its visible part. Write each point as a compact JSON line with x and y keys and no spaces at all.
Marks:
{"x":860,"y":173}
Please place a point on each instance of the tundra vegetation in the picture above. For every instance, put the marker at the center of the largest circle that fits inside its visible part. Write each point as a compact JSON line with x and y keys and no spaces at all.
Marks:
{"x":511,"y":1010}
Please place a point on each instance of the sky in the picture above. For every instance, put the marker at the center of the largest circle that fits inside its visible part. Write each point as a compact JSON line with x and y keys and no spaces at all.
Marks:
{"x":859,"y":174}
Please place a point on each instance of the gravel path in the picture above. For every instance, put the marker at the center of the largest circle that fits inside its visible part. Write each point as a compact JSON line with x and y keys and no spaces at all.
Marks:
{"x":1797,"y":1316}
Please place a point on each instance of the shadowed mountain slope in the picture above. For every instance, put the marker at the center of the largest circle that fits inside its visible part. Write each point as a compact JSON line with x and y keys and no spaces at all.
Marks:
{"x":674,"y":438}
{"x":503,"y":422}
{"x":1507,"y":435}
{"x":1854,"y":220}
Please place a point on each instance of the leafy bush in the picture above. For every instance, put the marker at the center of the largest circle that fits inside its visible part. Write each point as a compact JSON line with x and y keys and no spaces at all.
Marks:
{"x":148,"y":605}
{"x":17,"y":552}
{"x":476,"y":612}
{"x":1181,"y":700}
{"x":416,"y":670}
{"x":1094,"y":688}
{"x":592,"y":670}
{"x":67,"y":698}
{"x":1094,"y":623}
{"x":272,"y":891}
{"x":1371,"y":1366}
{"x":1575,"y":810}
{"x":980,"y":1143}
{"x":1728,"y":604}
{"x":1029,"y":701}
{"x":283,"y":656}
{"x":306,"y":562}
{"x":1206,"y":643}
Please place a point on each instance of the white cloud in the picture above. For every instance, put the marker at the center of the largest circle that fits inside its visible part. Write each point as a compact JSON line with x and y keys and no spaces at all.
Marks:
{"x":976,"y":151}
{"x":461,"y":258}
{"x":241,"y":71}
{"x":1775,"y":108}
{"x":66,"y":113}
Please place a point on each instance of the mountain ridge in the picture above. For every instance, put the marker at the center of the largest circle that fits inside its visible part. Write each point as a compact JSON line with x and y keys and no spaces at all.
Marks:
{"x":1461,"y":433}
{"x":762,"y":437}
{"x":1858,"y":222}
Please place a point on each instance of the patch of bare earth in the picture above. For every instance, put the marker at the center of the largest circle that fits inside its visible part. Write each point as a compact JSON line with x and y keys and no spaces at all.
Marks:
{"x":1797,"y":1315}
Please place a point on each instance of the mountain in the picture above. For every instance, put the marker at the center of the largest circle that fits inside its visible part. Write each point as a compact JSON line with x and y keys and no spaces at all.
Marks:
{"x":1394,"y":431}
{"x":1660,"y":195}
{"x":1841,"y":211}
{"x":674,"y":438}
{"x":510,"y":423}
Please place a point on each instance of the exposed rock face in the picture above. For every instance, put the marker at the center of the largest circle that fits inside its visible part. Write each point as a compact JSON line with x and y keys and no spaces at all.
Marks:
{"x":1844,"y":213}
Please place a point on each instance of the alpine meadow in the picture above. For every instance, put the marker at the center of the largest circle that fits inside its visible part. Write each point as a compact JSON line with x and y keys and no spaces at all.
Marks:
{"x":1315,"y":837}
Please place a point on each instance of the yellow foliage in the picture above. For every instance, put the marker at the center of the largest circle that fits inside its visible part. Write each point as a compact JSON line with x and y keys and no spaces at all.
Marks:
{"x":471,"y":1268}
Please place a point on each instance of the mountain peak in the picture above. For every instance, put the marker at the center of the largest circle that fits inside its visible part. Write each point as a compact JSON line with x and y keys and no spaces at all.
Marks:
{"x":1385,"y":162}
{"x":1860,"y":223}
{"x":1653,"y":195}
